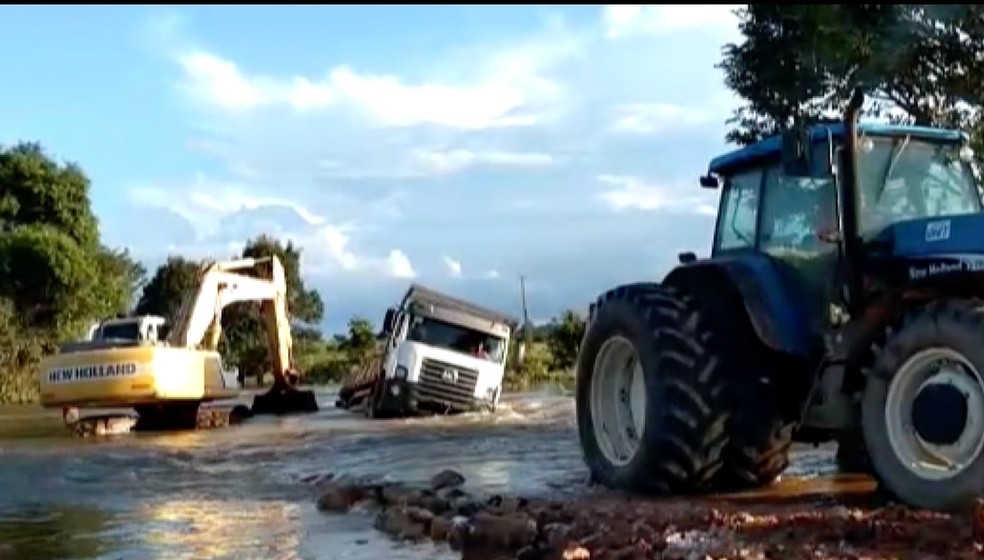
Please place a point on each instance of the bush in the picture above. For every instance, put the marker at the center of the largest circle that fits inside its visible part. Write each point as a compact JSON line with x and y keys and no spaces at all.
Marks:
{"x":19,"y":357}
{"x":536,"y":369}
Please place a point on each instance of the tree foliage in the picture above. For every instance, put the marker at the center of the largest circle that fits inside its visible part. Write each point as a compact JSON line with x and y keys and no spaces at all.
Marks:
{"x":55,"y":275}
{"x":564,"y":339}
{"x":799,"y":63}
{"x":164,"y":292}
{"x":361,"y":338}
{"x":244,"y":340}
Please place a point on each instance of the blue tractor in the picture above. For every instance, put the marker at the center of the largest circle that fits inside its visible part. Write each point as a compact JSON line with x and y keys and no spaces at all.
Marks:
{"x":842,"y":301}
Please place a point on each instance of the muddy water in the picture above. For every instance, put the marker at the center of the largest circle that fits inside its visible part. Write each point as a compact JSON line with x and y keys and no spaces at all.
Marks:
{"x":237,"y":492}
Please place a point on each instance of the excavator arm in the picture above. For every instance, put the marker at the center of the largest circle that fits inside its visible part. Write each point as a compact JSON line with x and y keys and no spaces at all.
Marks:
{"x":199,"y":320}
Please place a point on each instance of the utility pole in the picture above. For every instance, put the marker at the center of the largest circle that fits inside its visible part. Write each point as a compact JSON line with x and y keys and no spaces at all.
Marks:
{"x":527,"y":327}
{"x":522,"y":290}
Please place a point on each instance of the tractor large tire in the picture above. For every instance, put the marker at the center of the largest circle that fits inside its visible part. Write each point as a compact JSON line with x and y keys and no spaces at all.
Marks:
{"x":759,"y":435}
{"x":650,"y":398}
{"x":927,"y":385}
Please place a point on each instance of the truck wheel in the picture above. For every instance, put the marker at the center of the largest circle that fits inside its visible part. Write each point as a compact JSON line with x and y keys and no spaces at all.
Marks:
{"x":649,"y":409}
{"x":923,"y":407}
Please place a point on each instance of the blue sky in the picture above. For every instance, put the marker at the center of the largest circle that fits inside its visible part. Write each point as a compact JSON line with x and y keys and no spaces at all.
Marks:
{"x":454,"y":146}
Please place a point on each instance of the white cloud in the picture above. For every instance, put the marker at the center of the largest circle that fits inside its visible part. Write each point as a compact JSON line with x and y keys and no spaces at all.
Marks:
{"x":622,"y":21}
{"x":632,"y":193}
{"x":214,"y":210}
{"x":647,"y":118}
{"x":453,"y":161}
{"x":453,"y":267}
{"x":497,"y":152}
{"x":507,"y":95}
{"x":205,"y":202}
{"x":399,"y":265}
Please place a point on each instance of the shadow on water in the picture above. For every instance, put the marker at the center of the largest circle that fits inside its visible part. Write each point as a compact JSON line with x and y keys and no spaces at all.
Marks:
{"x":43,"y":532}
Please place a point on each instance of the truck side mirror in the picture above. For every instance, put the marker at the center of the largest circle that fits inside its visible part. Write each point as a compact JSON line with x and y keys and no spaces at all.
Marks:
{"x":708,"y":182}
{"x":389,"y":320}
{"x":796,"y":152}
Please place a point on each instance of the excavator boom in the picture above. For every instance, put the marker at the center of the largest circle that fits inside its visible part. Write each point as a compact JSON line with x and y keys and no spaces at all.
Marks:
{"x":220,"y":284}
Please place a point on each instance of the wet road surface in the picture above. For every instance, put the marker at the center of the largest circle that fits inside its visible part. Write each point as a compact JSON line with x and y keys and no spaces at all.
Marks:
{"x":238,"y":492}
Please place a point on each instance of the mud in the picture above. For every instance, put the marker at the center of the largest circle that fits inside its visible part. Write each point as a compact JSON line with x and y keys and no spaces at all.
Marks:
{"x":844,"y":519}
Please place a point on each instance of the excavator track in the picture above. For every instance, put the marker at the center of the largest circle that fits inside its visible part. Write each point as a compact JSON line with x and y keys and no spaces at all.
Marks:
{"x":206,"y":418}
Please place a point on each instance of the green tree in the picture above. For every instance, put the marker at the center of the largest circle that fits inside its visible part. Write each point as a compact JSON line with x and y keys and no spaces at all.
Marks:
{"x":53,"y":269}
{"x":55,"y":275}
{"x":564,"y":339}
{"x":165,"y":291}
{"x":305,"y":305}
{"x":244,"y":342}
{"x":361,"y":340}
{"x":799,"y":63}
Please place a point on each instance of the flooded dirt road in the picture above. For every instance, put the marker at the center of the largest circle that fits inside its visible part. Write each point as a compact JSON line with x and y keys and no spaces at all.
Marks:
{"x":238,"y":492}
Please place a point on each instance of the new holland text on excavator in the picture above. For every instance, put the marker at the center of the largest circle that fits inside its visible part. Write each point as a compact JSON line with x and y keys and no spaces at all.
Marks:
{"x":165,"y":374}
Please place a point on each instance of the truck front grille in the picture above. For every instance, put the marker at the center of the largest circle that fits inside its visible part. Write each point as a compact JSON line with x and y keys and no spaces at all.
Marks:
{"x":435,"y":387}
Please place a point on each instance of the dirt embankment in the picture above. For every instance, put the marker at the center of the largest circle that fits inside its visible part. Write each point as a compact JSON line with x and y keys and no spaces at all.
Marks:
{"x":770,"y":525}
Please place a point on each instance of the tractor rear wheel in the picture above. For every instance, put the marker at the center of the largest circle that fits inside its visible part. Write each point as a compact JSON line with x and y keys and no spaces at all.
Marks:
{"x":923,"y":407}
{"x":759,"y":436}
{"x":650,"y":408}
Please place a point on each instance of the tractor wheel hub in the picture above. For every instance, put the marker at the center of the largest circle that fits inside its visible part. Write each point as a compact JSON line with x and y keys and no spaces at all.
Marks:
{"x":939,"y":413}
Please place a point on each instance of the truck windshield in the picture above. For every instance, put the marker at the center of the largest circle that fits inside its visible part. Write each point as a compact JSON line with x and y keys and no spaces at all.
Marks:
{"x":904,"y":178}
{"x":457,"y":338}
{"x":121,"y":331}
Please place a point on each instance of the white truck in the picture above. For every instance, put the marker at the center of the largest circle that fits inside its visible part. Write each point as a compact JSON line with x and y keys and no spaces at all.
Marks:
{"x":441,"y":355}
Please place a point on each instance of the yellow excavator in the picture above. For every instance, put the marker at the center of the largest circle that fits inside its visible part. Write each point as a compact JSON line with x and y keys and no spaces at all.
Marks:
{"x":164,"y":373}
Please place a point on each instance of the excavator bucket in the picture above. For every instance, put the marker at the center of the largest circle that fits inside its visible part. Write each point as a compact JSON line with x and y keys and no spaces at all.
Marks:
{"x":284,"y":397}
{"x":285,"y":400}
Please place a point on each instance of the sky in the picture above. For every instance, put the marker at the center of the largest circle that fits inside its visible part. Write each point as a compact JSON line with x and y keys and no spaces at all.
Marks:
{"x":458,"y":147}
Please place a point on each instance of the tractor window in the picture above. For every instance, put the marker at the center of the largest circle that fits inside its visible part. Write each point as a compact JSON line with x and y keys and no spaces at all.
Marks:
{"x":795,"y":211}
{"x":738,"y":212}
{"x":903,"y":178}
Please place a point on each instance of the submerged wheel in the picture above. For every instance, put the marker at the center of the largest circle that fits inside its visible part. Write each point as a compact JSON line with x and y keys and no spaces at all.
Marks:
{"x":923,"y":408}
{"x":649,"y":410}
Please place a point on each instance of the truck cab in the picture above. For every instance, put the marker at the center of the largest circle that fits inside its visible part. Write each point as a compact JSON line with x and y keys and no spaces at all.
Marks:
{"x":441,"y":355}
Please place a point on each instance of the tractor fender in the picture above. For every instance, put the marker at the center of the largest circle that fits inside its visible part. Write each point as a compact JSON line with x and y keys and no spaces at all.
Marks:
{"x":772,"y":306}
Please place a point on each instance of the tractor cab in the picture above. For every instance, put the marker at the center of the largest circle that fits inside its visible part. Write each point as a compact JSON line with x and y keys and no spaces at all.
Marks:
{"x":912,"y":206}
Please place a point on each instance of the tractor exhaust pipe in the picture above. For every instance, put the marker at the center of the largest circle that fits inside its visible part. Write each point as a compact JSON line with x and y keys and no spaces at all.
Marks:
{"x":851,"y":116}
{"x":848,"y":201}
